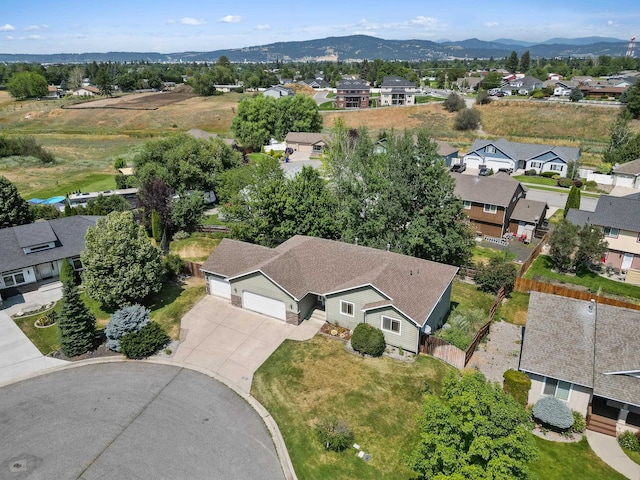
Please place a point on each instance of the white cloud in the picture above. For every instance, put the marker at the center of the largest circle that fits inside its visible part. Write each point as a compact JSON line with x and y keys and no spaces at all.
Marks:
{"x":611,"y":23}
{"x":365,"y":32}
{"x":33,"y":37}
{"x":266,"y":26}
{"x":230,"y":19}
{"x":192,"y":21}
{"x":10,"y":37}
{"x":424,"y":21}
{"x":7,"y":28}
{"x":490,"y":24}
{"x":33,"y":28}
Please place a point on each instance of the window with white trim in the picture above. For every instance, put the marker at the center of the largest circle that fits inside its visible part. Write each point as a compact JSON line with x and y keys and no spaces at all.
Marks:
{"x":13,"y":278}
{"x":557,"y":388}
{"x":346,"y":308}
{"x":535,"y":165}
{"x":556,"y":167}
{"x":391,"y":325}
{"x":488,"y":208}
{"x":611,"y":232}
{"x":490,"y":149}
{"x":466,"y":204}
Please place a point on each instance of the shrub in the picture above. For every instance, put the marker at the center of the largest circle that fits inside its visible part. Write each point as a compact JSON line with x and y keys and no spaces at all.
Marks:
{"x":156,"y":226}
{"x":577,"y":183}
{"x":591,"y":184}
{"x":455,"y":336}
{"x":181,"y":235}
{"x":145,"y":342}
{"x":119,"y":163}
{"x":517,"y":384}
{"x":467,"y":119}
{"x":498,"y":273}
{"x":454,"y":103}
{"x":67,"y":273}
{"x":368,"y":340}
{"x":554,"y":412}
{"x":538,"y":94}
{"x":123,"y":321}
{"x":531,"y":172}
{"x":548,"y":174}
{"x":565,"y":182}
{"x":334,"y":433}
{"x":173,"y":265}
{"x":629,"y":441}
{"x":579,"y":422}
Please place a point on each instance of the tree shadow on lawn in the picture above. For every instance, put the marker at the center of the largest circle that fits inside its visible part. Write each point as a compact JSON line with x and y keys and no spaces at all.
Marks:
{"x":170,"y":292}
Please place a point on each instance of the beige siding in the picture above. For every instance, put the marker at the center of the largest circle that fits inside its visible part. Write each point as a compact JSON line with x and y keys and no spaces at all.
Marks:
{"x":409,"y":332}
{"x":436,"y":319}
{"x":258,"y":283}
{"x":579,"y":397}
{"x":627,"y":241}
{"x":359,"y":297}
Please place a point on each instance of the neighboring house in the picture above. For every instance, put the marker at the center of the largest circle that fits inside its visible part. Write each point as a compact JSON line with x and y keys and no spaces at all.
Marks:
{"x":58,"y":202}
{"x":619,"y":218}
{"x":490,"y":201}
{"x":501,"y":153}
{"x":86,"y":91}
{"x":52,"y":92}
{"x":312,"y":144}
{"x":82,"y":198}
{"x":397,"y":91}
{"x":523,"y":86}
{"x":406,"y":297}
{"x":352,"y":94}
{"x":35,"y":252}
{"x":527,"y":217}
{"x":469,"y":84}
{"x":602,"y":91}
{"x":563,"y":88}
{"x":238,"y":87}
{"x":315,"y":83}
{"x":585,"y":354}
{"x":448,"y":153}
{"x":627,"y":175}
{"x":278,"y":91}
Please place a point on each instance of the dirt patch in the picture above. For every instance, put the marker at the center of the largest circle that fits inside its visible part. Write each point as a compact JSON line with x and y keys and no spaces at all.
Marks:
{"x":499,"y":353}
{"x":139,"y":101}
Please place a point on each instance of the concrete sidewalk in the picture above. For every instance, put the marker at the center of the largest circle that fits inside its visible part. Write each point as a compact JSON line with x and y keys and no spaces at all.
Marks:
{"x":609,"y":451}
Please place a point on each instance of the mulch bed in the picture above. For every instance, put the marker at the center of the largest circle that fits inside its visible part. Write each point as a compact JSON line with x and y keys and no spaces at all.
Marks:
{"x":336,"y":331}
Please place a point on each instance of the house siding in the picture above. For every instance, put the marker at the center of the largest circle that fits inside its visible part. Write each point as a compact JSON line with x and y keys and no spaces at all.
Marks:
{"x":409,"y":332}
{"x":491,"y":224}
{"x":28,"y":272}
{"x":579,"y":397}
{"x":258,"y":283}
{"x":359,"y":297}
{"x":306,"y":305}
{"x":436,"y":319}
{"x":627,"y":241}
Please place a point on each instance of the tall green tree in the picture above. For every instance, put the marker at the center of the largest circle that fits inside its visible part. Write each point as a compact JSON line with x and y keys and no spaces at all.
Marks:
{"x":591,"y":246}
{"x":632,"y":99}
{"x":454,"y":103}
{"x":187,"y":212}
{"x":23,"y":85}
{"x":121,"y":265}
{"x":573,"y":200}
{"x":562,"y":243}
{"x":76,"y":322}
{"x":104,"y":80}
{"x":624,"y":145}
{"x":525,"y":62}
{"x":512,"y":62}
{"x":14,"y":209}
{"x":576,"y":94}
{"x":473,"y":431}
{"x":156,"y":226}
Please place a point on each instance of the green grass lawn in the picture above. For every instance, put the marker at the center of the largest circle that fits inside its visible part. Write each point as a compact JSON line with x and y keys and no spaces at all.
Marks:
{"x":85,"y":182}
{"x":557,"y":216}
{"x":484,"y":254}
{"x":378,"y":397}
{"x":536,"y":180}
{"x":255,"y":156}
{"x":514,"y":308}
{"x":562,"y":461}
{"x":466,"y":296}
{"x":327,"y":106}
{"x":541,"y":269}
{"x":635,"y":456}
{"x":428,"y":98}
{"x":45,"y":339}
{"x":212,"y":220}
{"x":197,"y":247}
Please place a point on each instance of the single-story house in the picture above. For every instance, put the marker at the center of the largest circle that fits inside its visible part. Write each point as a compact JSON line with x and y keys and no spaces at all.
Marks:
{"x":585,"y":354}
{"x":310,"y":143}
{"x":278,"y":91}
{"x":315,"y":83}
{"x":35,"y":251}
{"x":469,"y":84}
{"x":602,"y":91}
{"x":502,"y":153}
{"x":81,"y":199}
{"x":406,"y":297}
{"x":86,"y":91}
{"x":523,"y":85}
{"x":627,"y":175}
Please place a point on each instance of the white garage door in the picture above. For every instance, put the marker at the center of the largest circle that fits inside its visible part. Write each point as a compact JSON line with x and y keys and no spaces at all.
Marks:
{"x":473,"y":162}
{"x":265,"y":305}
{"x":219,"y":287}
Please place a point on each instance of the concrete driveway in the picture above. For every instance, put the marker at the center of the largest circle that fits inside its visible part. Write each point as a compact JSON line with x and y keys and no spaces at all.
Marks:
{"x":131,"y":420}
{"x":233,"y":342}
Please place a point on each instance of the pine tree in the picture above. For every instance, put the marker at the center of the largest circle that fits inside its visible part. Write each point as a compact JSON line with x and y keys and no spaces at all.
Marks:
{"x":67,"y":273}
{"x":77,"y":323}
{"x":14,"y":210}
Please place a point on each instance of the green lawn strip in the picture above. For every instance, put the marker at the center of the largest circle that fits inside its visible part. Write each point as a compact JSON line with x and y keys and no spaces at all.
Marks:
{"x":328,"y":106}
{"x":428,"y":99}
{"x":466,"y":296}
{"x":197,"y":247}
{"x":557,"y":216}
{"x":84,"y":182}
{"x":379,"y":399}
{"x":536,"y":180}
{"x":560,"y":461}
{"x":212,"y":220}
{"x":45,"y":339}
{"x":514,"y":308}
{"x":256,"y":156}
{"x":635,"y":456}
{"x":541,"y":269}
{"x":484,"y":254}
{"x":561,"y":190}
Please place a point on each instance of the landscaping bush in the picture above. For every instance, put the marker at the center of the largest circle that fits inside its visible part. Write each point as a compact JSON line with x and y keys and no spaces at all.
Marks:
{"x":126,"y":320}
{"x":554,"y":412}
{"x":498,"y":273}
{"x":565,"y":182}
{"x":368,"y":340}
{"x":577,"y":183}
{"x":531,"y":172}
{"x":455,"y":336}
{"x":454,"y":103}
{"x":145,"y":342}
{"x":334,"y":433}
{"x":467,"y":119}
{"x":119,"y":163}
{"x":67,"y":273}
{"x":579,"y":422}
{"x":591,"y":184}
{"x":629,"y":441}
{"x":173,"y":265}
{"x":181,"y":235}
{"x":517,"y":384}
{"x":548,"y":174}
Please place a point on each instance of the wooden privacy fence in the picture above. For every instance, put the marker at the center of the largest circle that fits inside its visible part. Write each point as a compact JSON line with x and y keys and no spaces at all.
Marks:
{"x":534,"y":254}
{"x":194,"y":269}
{"x":213,"y":229}
{"x":525,"y":286}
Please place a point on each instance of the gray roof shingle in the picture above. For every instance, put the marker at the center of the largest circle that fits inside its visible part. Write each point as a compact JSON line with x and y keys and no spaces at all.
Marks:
{"x":530,"y":211}
{"x":629,"y":168}
{"x":35,"y":233}
{"x":69,"y":235}
{"x":614,"y":212}
{"x":495,"y":189}
{"x":526,"y":151}
{"x":309,"y":138}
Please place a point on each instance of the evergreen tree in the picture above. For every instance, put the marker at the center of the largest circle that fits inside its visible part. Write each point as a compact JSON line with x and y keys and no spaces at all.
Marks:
{"x":576,"y":95}
{"x":76,"y":322}
{"x":14,"y":210}
{"x":573,"y":200}
{"x":525,"y":62}
{"x":67,"y":273}
{"x":511,"y":63}
{"x":156,"y":226}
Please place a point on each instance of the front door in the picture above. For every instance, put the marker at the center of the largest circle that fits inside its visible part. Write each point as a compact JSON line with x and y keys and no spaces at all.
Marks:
{"x":627,"y":261}
{"x":45,"y":270}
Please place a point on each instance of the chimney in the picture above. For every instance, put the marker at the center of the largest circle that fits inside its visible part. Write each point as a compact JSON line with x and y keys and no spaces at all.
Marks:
{"x":592,"y":305}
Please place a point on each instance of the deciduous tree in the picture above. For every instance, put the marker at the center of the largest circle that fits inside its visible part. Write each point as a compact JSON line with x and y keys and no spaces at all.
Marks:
{"x":562,"y":243}
{"x":591,"y":245}
{"x":454,"y":102}
{"x":576,"y":95}
{"x":23,"y":85}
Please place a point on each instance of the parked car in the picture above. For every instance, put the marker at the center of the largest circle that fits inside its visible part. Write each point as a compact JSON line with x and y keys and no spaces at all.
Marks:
{"x":483,"y":172}
{"x":508,"y":171}
{"x":500,"y":94}
{"x":459,"y":167}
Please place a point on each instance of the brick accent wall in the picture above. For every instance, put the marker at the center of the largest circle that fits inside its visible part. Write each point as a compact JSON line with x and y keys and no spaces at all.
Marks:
{"x":293,"y":318}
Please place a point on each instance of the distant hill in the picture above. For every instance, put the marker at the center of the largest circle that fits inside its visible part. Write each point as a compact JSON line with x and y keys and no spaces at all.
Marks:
{"x":353,"y":47}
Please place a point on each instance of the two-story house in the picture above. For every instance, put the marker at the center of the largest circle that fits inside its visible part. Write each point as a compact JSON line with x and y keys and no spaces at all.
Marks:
{"x":501,"y":153}
{"x":352,"y":94}
{"x":397,"y":91}
{"x":619,"y":218}
{"x":523,"y":86}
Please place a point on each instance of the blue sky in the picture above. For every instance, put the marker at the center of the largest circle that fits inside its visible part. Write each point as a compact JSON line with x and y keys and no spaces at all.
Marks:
{"x":36,"y":26}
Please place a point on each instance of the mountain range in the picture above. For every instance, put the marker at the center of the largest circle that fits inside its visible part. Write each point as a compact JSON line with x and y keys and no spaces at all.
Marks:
{"x":355,"y":47}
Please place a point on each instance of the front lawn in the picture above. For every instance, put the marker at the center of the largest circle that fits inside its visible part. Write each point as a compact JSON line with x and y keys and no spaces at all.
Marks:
{"x":514,"y":308}
{"x":428,"y":98}
{"x":45,"y":339}
{"x":560,"y":461}
{"x":535,"y":180}
{"x":378,"y":397}
{"x":541,"y":269}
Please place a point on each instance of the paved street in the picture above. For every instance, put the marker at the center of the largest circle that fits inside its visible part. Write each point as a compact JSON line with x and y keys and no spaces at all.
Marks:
{"x":559,"y":199}
{"x":131,"y":421}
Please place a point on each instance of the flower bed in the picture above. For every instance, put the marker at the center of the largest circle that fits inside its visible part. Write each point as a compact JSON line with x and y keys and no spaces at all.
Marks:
{"x":337,"y":331}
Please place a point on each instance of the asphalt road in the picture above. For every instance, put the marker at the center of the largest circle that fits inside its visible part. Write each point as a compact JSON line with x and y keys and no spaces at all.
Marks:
{"x":131,"y":421}
{"x":559,"y":199}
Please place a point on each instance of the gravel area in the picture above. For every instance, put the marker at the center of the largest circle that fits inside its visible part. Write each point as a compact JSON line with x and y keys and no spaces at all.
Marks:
{"x":499,"y":353}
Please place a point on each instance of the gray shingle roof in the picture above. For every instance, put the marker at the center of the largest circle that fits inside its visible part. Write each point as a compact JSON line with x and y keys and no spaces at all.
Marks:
{"x":304,"y":265}
{"x":354,"y":83}
{"x":564,"y":340}
{"x":526,"y":151}
{"x":495,"y":190}
{"x":69,"y":233}
{"x":615,"y":212}
{"x":629,"y":168}
{"x":393,"y":81}
{"x":34,"y":234}
{"x":309,"y":138}
{"x":529,"y":211}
